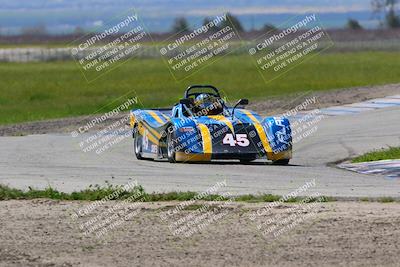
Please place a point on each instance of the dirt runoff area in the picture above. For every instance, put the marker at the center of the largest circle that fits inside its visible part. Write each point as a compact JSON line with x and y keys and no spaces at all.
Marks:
{"x":271,"y":106}
{"x":48,"y":233}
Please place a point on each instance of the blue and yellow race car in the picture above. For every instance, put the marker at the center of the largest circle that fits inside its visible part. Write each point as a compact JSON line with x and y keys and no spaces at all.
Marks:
{"x":201,"y":127}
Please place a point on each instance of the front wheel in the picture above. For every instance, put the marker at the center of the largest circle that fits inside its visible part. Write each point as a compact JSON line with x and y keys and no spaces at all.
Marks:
{"x":281,"y":162}
{"x":171,"y":148}
{"x":138,"y":146}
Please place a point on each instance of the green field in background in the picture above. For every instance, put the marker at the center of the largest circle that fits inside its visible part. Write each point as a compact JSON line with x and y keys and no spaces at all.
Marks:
{"x":36,"y":91}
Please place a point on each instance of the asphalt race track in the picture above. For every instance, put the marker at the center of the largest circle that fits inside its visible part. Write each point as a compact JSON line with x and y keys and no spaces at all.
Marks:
{"x":58,"y":161}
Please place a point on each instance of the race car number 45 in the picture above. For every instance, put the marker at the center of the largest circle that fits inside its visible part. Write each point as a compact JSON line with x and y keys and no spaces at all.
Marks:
{"x":241,"y":140}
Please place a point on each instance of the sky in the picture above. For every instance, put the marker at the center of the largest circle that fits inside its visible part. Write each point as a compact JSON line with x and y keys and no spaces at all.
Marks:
{"x":60,"y":16}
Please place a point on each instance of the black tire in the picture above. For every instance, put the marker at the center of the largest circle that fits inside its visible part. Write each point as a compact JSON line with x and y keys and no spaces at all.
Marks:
{"x":137,"y":146}
{"x":281,"y":162}
{"x":171,"y":148}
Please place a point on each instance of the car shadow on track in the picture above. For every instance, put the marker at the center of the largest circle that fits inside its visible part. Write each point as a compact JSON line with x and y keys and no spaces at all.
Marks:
{"x":228,"y":162}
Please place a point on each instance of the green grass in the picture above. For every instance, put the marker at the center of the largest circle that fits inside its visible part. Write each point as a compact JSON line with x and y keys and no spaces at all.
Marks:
{"x":390,"y":153}
{"x":97,"y":192}
{"x":92,"y":193}
{"x":386,"y":200}
{"x":37,"y":91}
{"x":137,"y":193}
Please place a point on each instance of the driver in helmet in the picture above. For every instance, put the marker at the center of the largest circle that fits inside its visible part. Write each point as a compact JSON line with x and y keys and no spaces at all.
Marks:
{"x":208,"y":105}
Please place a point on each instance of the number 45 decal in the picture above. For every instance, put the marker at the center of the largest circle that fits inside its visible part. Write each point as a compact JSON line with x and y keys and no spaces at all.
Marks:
{"x":241,"y":140}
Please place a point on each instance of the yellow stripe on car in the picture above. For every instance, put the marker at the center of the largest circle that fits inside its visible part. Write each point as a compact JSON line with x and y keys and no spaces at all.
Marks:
{"x":165,"y":116}
{"x":224,"y":120}
{"x":154,"y":132}
{"x":132,"y":120}
{"x":143,"y":130}
{"x":155,"y":116}
{"x":250,"y":115}
{"x":260,"y":131}
{"x":264,"y":139}
{"x":206,"y":136}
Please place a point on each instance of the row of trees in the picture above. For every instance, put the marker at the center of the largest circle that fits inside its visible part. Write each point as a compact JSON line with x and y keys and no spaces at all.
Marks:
{"x":386,"y":10}
{"x":181,"y":24}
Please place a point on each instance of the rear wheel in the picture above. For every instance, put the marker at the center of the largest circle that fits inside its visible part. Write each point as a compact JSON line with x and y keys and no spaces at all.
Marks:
{"x":138,"y":145}
{"x":281,"y":162}
{"x":171,"y":148}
